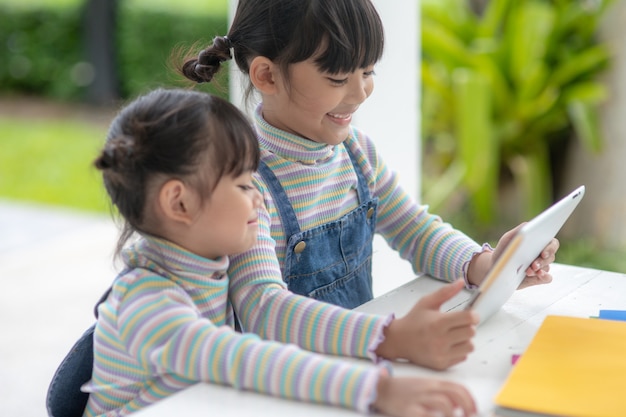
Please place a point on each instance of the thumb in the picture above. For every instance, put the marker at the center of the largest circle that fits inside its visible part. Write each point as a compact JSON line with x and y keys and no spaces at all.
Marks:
{"x":443,"y":294}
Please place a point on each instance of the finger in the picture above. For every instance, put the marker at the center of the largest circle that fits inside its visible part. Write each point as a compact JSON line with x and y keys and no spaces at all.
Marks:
{"x":462,"y":318}
{"x":533,"y":268}
{"x":531,"y":280}
{"x":461,"y":334}
{"x":439,"y":404}
{"x":460,"y":397}
{"x":463,"y":399}
{"x":459,"y":353}
{"x":451,"y":355}
{"x":544,"y":278}
{"x":551,"y":248}
{"x":544,"y":261}
{"x":437,"y":298}
{"x":539,"y":270}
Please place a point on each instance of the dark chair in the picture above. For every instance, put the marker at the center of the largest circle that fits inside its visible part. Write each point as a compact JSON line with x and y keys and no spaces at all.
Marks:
{"x":64,"y":397}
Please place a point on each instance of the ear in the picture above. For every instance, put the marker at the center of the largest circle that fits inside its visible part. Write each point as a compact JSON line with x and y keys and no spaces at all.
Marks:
{"x":264,"y":75}
{"x":177,"y":202}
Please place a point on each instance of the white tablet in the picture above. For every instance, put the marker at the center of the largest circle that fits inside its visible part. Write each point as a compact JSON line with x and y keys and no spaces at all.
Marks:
{"x":510,"y":268}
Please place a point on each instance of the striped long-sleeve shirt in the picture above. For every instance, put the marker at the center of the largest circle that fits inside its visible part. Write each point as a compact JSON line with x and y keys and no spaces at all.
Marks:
{"x":320,"y":183}
{"x":167,"y":324}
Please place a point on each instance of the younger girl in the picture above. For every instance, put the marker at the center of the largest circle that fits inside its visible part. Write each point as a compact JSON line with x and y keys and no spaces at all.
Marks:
{"x":178,"y":167}
{"x":325,"y":188}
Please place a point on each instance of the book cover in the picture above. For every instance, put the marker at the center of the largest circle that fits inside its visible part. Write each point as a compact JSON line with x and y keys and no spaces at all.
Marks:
{"x":574,"y":367}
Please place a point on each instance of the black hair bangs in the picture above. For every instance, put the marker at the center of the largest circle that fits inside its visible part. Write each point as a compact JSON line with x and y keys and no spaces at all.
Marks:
{"x":350,"y":35}
{"x":234,"y":148}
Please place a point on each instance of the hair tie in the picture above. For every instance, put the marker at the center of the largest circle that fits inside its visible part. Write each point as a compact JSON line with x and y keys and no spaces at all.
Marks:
{"x":229,"y":44}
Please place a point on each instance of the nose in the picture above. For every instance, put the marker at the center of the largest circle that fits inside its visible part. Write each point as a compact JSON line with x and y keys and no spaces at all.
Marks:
{"x":257,"y":199}
{"x":360,"y":89}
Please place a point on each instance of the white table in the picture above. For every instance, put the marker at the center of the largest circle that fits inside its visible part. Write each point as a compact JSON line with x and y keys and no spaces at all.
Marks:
{"x":575,"y":291}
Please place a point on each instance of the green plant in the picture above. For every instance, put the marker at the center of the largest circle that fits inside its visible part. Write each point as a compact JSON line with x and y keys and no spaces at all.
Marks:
{"x":42,"y":48}
{"x":142,"y":68}
{"x":503,"y":90}
{"x":45,"y":51}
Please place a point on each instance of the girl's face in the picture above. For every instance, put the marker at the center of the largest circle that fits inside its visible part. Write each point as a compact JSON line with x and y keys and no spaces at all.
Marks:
{"x":317,"y":105}
{"x":227,"y":222}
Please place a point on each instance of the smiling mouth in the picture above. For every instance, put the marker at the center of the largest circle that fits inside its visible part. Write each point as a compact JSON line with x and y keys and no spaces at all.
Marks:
{"x":341,"y":116}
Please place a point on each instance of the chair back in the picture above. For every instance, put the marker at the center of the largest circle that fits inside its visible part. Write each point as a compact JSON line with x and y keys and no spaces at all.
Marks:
{"x":64,"y":397}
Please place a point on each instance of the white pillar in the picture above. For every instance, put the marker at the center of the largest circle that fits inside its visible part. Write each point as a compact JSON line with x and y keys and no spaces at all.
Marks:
{"x":236,"y":85}
{"x":390,"y":116}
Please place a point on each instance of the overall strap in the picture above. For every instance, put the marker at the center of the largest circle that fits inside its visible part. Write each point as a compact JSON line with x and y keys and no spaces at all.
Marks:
{"x":362,"y":190}
{"x":285,"y":210}
{"x":284,"y":207}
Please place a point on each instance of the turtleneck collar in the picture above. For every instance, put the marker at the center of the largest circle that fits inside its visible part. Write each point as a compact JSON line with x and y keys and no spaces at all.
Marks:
{"x":290,"y":146}
{"x":174,"y":262}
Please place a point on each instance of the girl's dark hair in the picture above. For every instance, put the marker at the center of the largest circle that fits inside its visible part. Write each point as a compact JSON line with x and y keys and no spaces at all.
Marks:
{"x":192,"y":136}
{"x":343,"y":35}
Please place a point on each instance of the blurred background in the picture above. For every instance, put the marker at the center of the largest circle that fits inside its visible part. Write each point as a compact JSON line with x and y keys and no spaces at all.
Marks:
{"x":520,"y":102}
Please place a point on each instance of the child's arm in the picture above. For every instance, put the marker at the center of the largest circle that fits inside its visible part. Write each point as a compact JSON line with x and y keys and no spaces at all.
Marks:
{"x":162,"y":330}
{"x":426,"y":336}
{"x":172,"y":339}
{"x":432,"y":246}
{"x":265,"y":307}
{"x":422,"y":238}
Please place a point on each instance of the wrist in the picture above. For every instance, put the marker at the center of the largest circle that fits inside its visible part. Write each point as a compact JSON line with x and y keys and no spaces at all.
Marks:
{"x":382,"y":389}
{"x":387,"y":348}
{"x":479,"y":266}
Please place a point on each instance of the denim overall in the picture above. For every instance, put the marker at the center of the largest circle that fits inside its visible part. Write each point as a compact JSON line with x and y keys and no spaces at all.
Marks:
{"x":331,"y":262}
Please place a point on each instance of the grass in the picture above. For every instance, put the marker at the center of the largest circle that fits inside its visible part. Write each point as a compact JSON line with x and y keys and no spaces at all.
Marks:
{"x":49,"y":161}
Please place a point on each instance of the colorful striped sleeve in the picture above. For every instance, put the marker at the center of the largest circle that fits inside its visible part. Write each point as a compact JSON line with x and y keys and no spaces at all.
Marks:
{"x":162,"y":330}
{"x":422,"y":238}
{"x":265,"y":307}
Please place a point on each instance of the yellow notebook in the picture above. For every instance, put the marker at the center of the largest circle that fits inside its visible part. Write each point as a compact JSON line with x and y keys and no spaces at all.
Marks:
{"x":574,"y":367}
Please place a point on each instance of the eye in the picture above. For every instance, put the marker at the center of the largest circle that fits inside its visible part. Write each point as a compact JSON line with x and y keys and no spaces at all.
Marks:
{"x":337,"y":81}
{"x":246,"y":187}
{"x":367,"y":74}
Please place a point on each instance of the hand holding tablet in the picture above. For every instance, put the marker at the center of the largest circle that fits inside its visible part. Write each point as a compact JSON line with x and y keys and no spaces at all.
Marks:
{"x":509,"y":269}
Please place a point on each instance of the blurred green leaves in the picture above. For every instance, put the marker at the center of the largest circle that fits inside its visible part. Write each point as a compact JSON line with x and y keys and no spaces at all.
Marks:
{"x":46,"y":51}
{"x":148,"y":34}
{"x":501,"y":88}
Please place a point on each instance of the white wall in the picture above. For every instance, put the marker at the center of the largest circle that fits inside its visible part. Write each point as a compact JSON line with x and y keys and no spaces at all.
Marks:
{"x":390,"y":116}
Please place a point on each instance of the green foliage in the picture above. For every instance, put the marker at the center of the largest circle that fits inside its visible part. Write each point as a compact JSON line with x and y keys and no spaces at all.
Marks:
{"x":46,"y":47}
{"x":38,"y":4}
{"x":147,"y":38}
{"x":49,"y":161}
{"x":585,"y":253}
{"x":503,"y":90}
{"x":42,"y":50}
